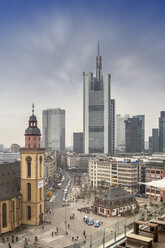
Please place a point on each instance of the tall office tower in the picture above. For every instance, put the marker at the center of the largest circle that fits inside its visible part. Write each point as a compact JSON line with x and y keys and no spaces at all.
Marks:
{"x":142,"y":118}
{"x":120,"y":132}
{"x":133,"y":135}
{"x":97,"y":114}
{"x":150,"y":144}
{"x":78,"y":142}
{"x":112,"y":126}
{"x":53,"y":129}
{"x":155,"y":140}
{"x":162,"y":131}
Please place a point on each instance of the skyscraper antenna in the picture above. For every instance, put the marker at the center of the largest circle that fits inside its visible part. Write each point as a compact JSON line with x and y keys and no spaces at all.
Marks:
{"x":98,"y":48}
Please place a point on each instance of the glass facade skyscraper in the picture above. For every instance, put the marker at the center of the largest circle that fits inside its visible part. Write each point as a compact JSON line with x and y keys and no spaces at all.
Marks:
{"x":98,"y":111}
{"x":162,"y":131}
{"x":53,"y":129}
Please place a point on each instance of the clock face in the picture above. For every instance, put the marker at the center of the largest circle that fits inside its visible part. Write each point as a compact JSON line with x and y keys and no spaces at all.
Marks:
{"x":28,"y":159}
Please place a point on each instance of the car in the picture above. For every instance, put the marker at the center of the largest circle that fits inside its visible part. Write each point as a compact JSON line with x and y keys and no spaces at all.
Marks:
{"x":85,"y":219}
{"x":90,"y":221}
{"x":97,"y":223}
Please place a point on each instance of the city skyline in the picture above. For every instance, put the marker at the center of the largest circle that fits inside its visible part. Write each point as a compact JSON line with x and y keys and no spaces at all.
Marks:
{"x":44,"y":51}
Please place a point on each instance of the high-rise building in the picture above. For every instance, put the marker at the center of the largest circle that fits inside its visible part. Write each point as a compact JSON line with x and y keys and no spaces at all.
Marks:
{"x":53,"y":129}
{"x":97,"y":114}
{"x":162,"y":131}
{"x":120,"y":132}
{"x":78,"y":142}
{"x":112,"y":126}
{"x":133,"y":135}
{"x":155,"y":140}
{"x":150,"y":144}
{"x":142,"y":118}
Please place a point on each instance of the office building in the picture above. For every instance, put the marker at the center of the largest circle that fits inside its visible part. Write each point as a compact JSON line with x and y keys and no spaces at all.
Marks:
{"x":15,"y":148}
{"x":142,"y":118}
{"x":97,"y":111}
{"x":112,"y":126}
{"x":53,"y":128}
{"x":114,"y":172}
{"x":78,"y":142}
{"x":155,"y":140}
{"x":162,"y":132}
{"x":133,"y":135}
{"x":120,"y":132}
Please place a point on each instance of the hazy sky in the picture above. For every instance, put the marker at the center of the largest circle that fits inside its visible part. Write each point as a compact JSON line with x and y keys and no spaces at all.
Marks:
{"x":46,"y":45}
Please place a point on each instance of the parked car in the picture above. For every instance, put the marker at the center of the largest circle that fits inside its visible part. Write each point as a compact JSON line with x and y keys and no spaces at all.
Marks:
{"x":90,"y":221}
{"x":97,"y":223}
{"x":85,"y":219}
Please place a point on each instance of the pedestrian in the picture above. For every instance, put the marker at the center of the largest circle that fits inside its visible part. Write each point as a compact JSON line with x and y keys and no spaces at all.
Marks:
{"x":13,"y":239}
{"x":57,"y":230}
{"x":16,"y":239}
{"x":68,"y":226}
{"x":9,"y":245}
{"x":7,"y":239}
{"x":77,"y":237}
{"x":72,"y":238}
{"x":42,"y":227}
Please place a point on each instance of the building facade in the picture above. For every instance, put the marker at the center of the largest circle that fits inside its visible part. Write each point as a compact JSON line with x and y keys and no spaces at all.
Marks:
{"x":133,"y":135}
{"x":53,"y":129}
{"x":120,"y":132}
{"x":32,"y":175}
{"x":114,"y":202}
{"x":114,"y":172}
{"x":155,"y":140}
{"x":97,"y":111}
{"x":162,"y":132}
{"x":78,"y":142}
{"x":142,"y":118}
{"x":15,"y":148}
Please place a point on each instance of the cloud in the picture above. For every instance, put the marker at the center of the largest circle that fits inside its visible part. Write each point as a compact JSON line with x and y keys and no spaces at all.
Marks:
{"x":44,"y":61}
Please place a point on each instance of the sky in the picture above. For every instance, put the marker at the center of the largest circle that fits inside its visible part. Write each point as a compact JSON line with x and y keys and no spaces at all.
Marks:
{"x":45,"y":46}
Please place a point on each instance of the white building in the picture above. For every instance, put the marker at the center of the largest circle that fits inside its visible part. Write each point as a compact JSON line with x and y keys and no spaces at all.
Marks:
{"x":53,"y":129}
{"x":8,"y":157}
{"x":120,"y":132}
{"x":114,"y":172}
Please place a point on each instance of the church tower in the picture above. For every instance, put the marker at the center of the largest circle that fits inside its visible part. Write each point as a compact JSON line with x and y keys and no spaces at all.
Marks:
{"x":32,"y":175}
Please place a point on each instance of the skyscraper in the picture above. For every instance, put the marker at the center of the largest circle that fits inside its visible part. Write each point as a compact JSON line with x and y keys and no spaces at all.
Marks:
{"x":155,"y":140}
{"x":53,"y":129}
{"x":142,"y":118}
{"x":133,"y":135}
{"x":97,"y":111}
{"x":78,"y":142}
{"x":162,"y":131}
{"x":120,"y":132}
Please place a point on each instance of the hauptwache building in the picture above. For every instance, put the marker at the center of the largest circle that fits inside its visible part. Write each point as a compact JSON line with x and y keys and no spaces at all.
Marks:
{"x":22,"y":184}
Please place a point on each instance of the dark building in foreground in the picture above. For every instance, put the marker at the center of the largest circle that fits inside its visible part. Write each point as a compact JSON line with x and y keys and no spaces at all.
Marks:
{"x":133,"y":135}
{"x":114,"y":202}
{"x":162,"y":131}
{"x":78,"y":142}
{"x":142,"y":118}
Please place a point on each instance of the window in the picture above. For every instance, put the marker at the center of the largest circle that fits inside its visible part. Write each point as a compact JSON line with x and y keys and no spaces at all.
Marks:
{"x":13,"y":205}
{"x":29,"y":138}
{"x":29,"y":146}
{"x":40,"y":209}
{"x":28,"y":212}
{"x":40,"y":194}
{"x":40,"y":166}
{"x":34,"y":138}
{"x":4,"y":215}
{"x":34,"y":145}
{"x":28,"y":161}
{"x":28,"y":191}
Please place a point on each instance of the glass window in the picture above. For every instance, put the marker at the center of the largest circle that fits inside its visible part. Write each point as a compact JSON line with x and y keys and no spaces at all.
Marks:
{"x":28,"y":161}
{"x":4,"y":215}
{"x":28,"y":212}
{"x":29,"y":191}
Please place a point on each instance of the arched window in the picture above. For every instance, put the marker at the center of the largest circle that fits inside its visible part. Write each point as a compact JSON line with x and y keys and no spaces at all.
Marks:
{"x":40,"y":194}
{"x":40,"y":166}
{"x":4,"y":215}
{"x":28,"y":161}
{"x":28,"y":212}
{"x":40,"y":209}
{"x":29,"y":191}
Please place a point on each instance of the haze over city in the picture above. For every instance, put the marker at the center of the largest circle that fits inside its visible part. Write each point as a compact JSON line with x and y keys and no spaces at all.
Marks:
{"x":46,"y":45}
